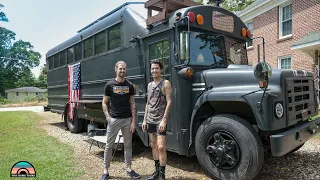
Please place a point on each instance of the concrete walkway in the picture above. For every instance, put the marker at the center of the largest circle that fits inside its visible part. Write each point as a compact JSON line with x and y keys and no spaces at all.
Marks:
{"x":29,"y":108}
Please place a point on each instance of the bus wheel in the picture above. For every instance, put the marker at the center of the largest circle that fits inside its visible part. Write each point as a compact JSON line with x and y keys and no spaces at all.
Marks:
{"x":75,"y":125}
{"x":227,"y":147}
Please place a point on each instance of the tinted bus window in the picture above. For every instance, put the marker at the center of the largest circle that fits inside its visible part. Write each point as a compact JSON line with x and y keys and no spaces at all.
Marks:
{"x":78,"y":51}
{"x":63,"y":58}
{"x":100,"y":43}
{"x":70,"y":55}
{"x":51,"y":62}
{"x":88,"y":51}
{"x":114,"y":37}
{"x":56,"y":60}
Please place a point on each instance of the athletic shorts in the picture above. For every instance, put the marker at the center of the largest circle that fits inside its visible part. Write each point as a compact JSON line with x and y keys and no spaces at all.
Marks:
{"x":154,"y":128}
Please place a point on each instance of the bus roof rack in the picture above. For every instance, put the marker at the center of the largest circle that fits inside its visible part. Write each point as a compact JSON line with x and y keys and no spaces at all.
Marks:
{"x":108,"y":14}
{"x":165,"y":7}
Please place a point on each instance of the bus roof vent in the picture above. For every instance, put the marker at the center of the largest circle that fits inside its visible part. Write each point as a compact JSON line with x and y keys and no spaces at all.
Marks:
{"x":165,"y":7}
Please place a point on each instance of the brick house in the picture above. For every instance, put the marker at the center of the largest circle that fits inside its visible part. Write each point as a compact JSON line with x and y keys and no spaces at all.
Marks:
{"x":291,"y":30}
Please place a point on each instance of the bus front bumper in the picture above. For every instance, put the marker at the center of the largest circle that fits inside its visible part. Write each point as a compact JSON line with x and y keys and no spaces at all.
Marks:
{"x":287,"y":141}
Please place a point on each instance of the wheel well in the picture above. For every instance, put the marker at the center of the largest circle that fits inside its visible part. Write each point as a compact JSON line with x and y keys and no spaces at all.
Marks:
{"x":211,"y":108}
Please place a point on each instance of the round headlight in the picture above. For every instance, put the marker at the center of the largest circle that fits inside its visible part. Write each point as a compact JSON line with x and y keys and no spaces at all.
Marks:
{"x":279,"y":110}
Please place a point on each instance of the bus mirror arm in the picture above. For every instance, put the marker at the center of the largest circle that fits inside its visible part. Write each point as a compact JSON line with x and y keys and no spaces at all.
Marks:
{"x":263,"y":49}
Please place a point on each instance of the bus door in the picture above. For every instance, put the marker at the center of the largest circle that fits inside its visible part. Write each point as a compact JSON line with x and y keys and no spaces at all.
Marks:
{"x":160,"y":47}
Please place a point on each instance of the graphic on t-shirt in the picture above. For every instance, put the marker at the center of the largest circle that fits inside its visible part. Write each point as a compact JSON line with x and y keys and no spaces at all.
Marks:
{"x":121,"y":89}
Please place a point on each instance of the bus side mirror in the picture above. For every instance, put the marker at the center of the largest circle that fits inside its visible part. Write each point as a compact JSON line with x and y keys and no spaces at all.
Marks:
{"x":263,"y":72}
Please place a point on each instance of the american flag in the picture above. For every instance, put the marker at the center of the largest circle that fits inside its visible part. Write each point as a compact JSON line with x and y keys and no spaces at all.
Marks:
{"x":73,"y":87}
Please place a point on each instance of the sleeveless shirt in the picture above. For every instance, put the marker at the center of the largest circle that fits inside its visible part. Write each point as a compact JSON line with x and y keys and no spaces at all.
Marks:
{"x":156,"y":103}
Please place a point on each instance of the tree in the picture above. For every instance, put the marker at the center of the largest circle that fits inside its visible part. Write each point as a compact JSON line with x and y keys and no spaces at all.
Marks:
{"x":42,"y":79}
{"x":231,"y":5}
{"x":198,"y":1}
{"x":16,"y":60}
{"x":236,"y":5}
{"x":3,"y":15}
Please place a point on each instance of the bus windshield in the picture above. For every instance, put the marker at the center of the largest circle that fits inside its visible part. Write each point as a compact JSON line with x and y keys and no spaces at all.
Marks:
{"x":207,"y":49}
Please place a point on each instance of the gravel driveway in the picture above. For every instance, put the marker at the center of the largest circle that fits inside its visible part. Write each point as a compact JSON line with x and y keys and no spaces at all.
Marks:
{"x":303,"y":164}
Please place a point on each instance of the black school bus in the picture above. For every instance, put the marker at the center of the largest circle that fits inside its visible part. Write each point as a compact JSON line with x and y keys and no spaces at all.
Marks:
{"x":224,"y":111}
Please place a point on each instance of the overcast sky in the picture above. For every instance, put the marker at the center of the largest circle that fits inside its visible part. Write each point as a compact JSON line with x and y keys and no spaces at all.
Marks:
{"x":45,"y":23}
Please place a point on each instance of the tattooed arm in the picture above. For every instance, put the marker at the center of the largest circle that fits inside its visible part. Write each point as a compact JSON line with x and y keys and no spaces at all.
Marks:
{"x":168,"y":94}
{"x":134,"y":114}
{"x":105,"y":107}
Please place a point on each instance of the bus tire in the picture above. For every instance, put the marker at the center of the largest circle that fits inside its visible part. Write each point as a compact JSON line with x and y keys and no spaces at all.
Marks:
{"x":75,"y":125}
{"x":227,"y":147}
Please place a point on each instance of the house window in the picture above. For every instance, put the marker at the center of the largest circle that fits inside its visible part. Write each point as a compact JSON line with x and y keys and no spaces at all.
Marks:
{"x":17,"y":93}
{"x":37,"y":94}
{"x":284,"y":62}
{"x":285,"y":24}
{"x":114,"y":35}
{"x":250,"y":27}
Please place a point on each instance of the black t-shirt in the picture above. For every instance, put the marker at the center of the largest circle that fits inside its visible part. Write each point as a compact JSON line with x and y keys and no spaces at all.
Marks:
{"x":119,"y":94}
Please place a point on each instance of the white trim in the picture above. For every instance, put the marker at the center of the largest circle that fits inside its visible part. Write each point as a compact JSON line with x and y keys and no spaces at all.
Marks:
{"x":198,"y":84}
{"x":280,"y":19}
{"x":305,"y":45}
{"x":198,"y":89}
{"x":260,"y":9}
{"x":284,"y":57}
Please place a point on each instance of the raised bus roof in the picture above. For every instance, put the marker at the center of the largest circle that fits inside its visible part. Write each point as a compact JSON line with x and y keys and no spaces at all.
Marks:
{"x":101,"y":24}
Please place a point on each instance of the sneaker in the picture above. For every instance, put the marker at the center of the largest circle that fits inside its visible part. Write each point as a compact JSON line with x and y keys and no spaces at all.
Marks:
{"x":104,"y":177}
{"x":133,"y":174}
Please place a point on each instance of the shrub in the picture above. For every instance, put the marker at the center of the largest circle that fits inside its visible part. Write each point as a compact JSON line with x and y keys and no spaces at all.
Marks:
{"x":3,"y":100}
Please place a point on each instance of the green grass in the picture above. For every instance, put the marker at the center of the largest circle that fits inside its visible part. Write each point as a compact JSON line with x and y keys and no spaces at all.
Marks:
{"x":21,"y":139}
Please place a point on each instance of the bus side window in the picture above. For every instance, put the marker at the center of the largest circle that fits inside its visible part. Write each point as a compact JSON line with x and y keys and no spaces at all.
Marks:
{"x":88,"y":47}
{"x":50,"y":61}
{"x":114,"y":37}
{"x":56,"y":60}
{"x":78,"y":51}
{"x":160,"y":51}
{"x":100,"y":44}
{"x":63,"y":58}
{"x":70,"y":55}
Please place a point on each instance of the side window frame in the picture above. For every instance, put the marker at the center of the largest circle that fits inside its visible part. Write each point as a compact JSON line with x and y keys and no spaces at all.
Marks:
{"x":164,"y":56}
{"x":283,"y":58}
{"x":119,"y":37}
{"x":280,"y":22}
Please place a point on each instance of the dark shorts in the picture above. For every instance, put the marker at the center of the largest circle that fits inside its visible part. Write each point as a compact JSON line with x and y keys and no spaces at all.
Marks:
{"x":154,"y":128}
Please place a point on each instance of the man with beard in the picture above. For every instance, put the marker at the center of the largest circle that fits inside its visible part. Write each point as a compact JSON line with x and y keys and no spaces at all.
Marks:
{"x":121,"y":115}
{"x":156,"y":116}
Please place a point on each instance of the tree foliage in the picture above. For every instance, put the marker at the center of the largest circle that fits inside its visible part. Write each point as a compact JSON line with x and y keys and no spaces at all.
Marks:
{"x":17,"y":58}
{"x":42,"y":79}
{"x":3,"y":15}
{"x":231,"y":5}
{"x":236,"y":5}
